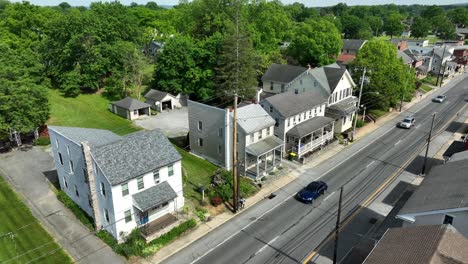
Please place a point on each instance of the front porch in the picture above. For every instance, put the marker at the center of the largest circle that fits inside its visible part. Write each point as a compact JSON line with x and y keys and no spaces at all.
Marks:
{"x":343,"y":112}
{"x":310,"y":136}
{"x":159,"y":226}
{"x":263,"y":157}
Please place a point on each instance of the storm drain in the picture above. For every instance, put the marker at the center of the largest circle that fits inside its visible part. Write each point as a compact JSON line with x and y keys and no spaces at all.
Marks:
{"x":271,"y":196}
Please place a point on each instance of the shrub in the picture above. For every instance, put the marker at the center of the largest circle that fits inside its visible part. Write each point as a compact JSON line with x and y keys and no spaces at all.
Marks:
{"x":200,"y":212}
{"x":359,"y":123}
{"x":42,"y":141}
{"x":77,"y":211}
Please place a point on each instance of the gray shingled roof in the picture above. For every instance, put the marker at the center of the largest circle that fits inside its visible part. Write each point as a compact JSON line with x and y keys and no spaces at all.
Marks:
{"x":282,"y":73}
{"x":153,"y":196}
{"x":420,"y":244}
{"x":263,"y":146}
{"x":289,"y":103}
{"x":134,"y":155}
{"x":406,"y":59}
{"x":156,"y":95}
{"x":94,"y":137}
{"x":353,"y":44}
{"x":444,"y":187}
{"x":253,"y":117}
{"x":344,"y":107}
{"x":333,"y":76}
{"x":309,"y":126}
{"x":459,"y":156}
{"x":130,"y":104}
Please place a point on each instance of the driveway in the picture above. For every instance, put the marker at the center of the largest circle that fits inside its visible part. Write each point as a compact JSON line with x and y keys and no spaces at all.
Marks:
{"x":28,"y":173}
{"x":173,"y":123}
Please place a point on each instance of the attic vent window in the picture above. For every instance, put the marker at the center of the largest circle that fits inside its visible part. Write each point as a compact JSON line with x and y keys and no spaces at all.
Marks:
{"x":296,"y":91}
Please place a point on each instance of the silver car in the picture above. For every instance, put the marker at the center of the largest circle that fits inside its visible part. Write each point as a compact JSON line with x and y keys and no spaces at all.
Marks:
{"x":408,"y":122}
{"x":439,"y":98}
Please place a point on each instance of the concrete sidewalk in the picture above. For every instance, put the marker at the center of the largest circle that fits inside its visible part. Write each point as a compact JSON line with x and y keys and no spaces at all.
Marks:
{"x":334,"y":156}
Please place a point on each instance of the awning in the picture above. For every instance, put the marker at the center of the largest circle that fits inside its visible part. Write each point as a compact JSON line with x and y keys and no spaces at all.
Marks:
{"x":343,"y":108}
{"x":154,"y":196}
{"x":263,"y":146}
{"x":309,"y":126}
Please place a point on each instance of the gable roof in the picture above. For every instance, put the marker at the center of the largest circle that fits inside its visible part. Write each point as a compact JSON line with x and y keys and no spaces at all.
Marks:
{"x":94,"y":137}
{"x":130,"y":104}
{"x":134,"y":155}
{"x":309,"y":126}
{"x":333,"y":76}
{"x":153,"y":196}
{"x":463,"y":155}
{"x":353,"y":44}
{"x":156,"y":95}
{"x":253,"y":117}
{"x":282,"y":73}
{"x":289,"y":103}
{"x":406,"y":59}
{"x":420,"y":244}
{"x":444,"y":187}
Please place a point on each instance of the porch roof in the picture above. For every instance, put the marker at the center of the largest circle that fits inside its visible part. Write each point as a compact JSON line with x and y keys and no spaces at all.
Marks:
{"x":309,"y":126}
{"x":345,"y":107}
{"x":153,"y":196}
{"x":263,"y":146}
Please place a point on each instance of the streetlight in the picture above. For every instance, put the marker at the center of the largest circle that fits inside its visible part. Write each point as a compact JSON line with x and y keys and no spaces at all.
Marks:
{"x":359,"y":100}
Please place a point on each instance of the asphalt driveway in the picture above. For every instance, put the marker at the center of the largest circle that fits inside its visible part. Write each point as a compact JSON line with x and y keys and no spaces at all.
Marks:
{"x":28,"y":172}
{"x":173,"y":123}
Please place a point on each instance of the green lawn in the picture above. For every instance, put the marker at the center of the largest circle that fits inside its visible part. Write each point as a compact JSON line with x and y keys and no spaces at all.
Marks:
{"x":28,"y":241}
{"x":430,"y":79}
{"x":425,"y":88}
{"x":197,"y":172}
{"x":86,"y":110}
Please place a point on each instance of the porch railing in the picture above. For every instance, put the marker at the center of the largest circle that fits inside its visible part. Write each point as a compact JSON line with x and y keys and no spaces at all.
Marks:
{"x":315,"y":143}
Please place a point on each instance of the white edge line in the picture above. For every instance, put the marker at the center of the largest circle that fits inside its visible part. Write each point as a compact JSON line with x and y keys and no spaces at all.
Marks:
{"x":266,"y":245}
{"x":398,"y":142}
{"x":274,"y":207}
{"x":370,"y":164}
{"x":331,"y":194}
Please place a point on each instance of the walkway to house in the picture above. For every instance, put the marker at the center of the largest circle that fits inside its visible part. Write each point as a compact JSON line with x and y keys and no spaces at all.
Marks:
{"x":333,"y":156}
{"x":28,"y":173}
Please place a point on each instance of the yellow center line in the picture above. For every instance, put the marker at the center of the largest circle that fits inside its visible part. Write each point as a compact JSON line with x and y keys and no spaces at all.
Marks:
{"x":379,"y":190}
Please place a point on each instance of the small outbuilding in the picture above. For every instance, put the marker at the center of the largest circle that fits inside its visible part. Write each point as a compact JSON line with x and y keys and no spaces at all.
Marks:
{"x":160,"y":101}
{"x":130,"y":108}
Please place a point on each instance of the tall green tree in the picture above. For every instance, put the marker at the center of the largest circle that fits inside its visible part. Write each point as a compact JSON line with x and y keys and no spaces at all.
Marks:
{"x":387,"y":74}
{"x":355,"y":28}
{"x":375,"y":23}
{"x":315,"y":42}
{"x":458,"y":16}
{"x":235,"y":71}
{"x":393,"y":25}
{"x":444,"y":28}
{"x":420,"y":27}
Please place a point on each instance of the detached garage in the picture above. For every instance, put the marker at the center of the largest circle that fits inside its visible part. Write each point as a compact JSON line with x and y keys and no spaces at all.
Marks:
{"x":130,"y":108}
{"x":161,"y":101}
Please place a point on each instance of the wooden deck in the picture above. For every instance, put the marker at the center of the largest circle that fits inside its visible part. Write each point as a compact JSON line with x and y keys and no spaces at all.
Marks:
{"x":155,"y":227}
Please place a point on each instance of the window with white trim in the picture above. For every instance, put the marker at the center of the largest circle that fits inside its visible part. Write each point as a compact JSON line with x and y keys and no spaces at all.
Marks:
{"x":156,"y":177}
{"x":128,"y":216}
{"x":219,"y":148}
{"x":200,"y":125}
{"x":170,"y":169}
{"x":103,"y":189}
{"x":252,"y":138}
{"x":70,"y":163}
{"x":65,"y":182}
{"x":220,"y":132}
{"x":125,"y":191}
{"x":76,"y":191}
{"x":140,"y":183}
{"x":60,"y":158}
{"x":200,"y":142}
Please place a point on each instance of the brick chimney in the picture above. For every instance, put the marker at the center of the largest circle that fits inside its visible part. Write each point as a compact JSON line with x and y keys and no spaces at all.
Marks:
{"x":89,"y":177}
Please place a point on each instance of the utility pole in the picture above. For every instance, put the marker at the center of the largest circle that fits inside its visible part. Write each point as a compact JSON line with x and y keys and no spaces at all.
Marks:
{"x":359,"y":102}
{"x":440,"y":65}
{"x":427,"y":148}
{"x":235,"y":194}
{"x":337,"y":228}
{"x":443,"y":73}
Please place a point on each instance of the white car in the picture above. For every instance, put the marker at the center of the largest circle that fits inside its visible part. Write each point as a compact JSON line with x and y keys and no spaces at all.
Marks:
{"x":439,"y":98}
{"x":408,"y":122}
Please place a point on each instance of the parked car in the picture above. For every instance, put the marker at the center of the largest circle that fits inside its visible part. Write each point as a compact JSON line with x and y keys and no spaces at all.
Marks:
{"x":312,"y":191}
{"x":408,"y":122}
{"x":439,"y":98}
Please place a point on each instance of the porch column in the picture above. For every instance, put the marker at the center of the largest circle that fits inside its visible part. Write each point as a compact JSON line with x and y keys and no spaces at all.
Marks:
{"x":299,"y":148}
{"x":258,"y":171}
{"x":266,"y":161}
{"x":322,"y":134}
{"x":274,"y":157}
{"x":333,"y":127}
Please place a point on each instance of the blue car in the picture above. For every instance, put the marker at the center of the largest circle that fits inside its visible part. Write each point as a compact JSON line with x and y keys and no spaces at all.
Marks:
{"x":312,"y":191}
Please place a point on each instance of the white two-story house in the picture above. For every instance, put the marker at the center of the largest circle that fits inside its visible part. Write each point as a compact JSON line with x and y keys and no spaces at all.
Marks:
{"x":123,"y":183}
{"x":333,"y":82}
{"x":211,"y":137}
{"x":300,"y":120}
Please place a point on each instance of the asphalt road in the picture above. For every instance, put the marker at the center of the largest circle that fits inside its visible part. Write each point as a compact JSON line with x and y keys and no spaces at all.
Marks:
{"x":283,"y":230}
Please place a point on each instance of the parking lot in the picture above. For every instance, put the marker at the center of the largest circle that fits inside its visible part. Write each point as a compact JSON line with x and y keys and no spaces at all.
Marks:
{"x":173,"y":123}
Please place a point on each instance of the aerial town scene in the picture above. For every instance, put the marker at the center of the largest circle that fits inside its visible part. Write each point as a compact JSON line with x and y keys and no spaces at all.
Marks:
{"x":234,"y":132}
